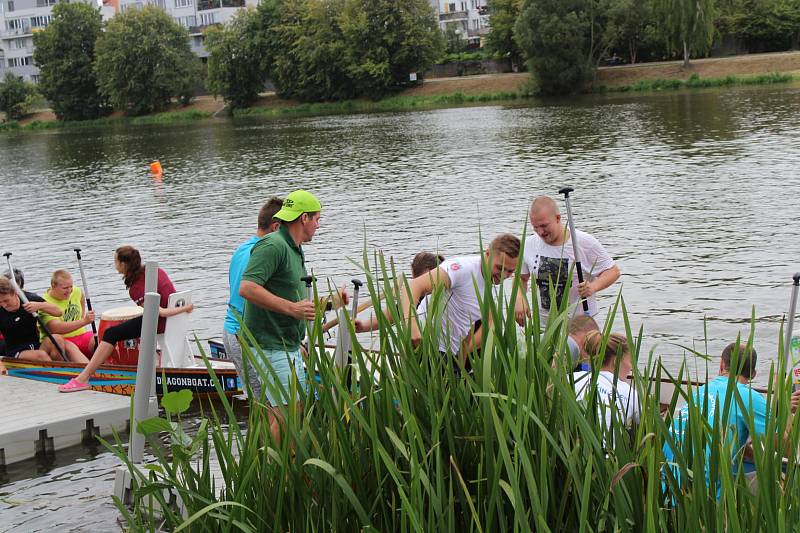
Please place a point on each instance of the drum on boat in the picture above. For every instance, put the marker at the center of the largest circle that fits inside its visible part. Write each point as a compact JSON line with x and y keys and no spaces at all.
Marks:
{"x":125,"y":352}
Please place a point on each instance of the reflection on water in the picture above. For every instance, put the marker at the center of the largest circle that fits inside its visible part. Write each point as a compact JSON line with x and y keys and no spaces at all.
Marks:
{"x":695,"y":194}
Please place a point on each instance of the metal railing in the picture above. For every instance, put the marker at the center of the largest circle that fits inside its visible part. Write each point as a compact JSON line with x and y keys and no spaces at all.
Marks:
{"x":453,"y":15}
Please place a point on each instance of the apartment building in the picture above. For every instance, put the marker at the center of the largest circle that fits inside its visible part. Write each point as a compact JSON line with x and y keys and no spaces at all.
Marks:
{"x":19,"y":20}
{"x":470,"y":18}
{"x":194,"y":15}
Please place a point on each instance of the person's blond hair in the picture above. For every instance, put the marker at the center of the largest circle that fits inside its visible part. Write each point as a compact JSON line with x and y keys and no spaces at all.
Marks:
{"x":59,"y":275}
{"x":616,"y":346}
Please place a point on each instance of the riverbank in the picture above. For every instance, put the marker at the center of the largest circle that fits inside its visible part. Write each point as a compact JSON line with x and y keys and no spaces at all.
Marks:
{"x":754,"y":69}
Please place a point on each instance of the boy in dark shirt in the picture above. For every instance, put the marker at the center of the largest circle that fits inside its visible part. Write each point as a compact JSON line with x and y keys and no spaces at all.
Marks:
{"x":18,"y":325}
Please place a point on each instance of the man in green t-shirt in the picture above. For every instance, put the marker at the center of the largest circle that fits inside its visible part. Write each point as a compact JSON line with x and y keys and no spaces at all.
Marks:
{"x":276,"y":307}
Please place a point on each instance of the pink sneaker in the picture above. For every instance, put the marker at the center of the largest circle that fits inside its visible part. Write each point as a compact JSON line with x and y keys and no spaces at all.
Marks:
{"x":73,"y":385}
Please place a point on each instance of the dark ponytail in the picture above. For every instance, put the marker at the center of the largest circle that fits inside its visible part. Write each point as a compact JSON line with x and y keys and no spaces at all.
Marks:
{"x":131,"y":262}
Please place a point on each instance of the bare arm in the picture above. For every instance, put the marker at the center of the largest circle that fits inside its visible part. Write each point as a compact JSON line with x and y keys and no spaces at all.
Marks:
{"x":44,"y":307}
{"x":418,"y":288}
{"x":605,"y":279}
{"x":258,"y":295}
{"x":61,"y":327}
{"x":172,"y":311}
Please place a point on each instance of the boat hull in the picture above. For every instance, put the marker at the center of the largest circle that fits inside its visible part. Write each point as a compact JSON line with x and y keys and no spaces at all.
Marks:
{"x":121,"y":379}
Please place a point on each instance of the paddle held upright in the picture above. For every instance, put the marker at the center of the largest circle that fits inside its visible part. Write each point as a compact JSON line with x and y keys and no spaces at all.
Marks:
{"x":571,"y":224}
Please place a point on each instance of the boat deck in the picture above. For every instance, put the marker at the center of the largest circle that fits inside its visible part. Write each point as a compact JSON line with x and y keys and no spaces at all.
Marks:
{"x":37,"y":419}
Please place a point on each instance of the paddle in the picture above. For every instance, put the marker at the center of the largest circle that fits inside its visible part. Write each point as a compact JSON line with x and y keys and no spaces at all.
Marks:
{"x":787,"y":343}
{"x":86,"y":291}
{"x":357,"y":310}
{"x":571,"y":223}
{"x":24,"y":300}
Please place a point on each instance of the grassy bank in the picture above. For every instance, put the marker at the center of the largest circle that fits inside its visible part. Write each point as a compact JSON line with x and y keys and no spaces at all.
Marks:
{"x":393,"y":103}
{"x":168,"y":117}
{"x":696,"y":82}
{"x":412,"y":445}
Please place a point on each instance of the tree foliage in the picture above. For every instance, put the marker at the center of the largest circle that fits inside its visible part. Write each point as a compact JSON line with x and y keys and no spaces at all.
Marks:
{"x":763,"y":25}
{"x":236,"y":52}
{"x":15,"y":96}
{"x":338,"y":49}
{"x":65,"y":54}
{"x":144,"y":61}
{"x":501,"y":40}
{"x":386,"y":40}
{"x":563,"y":41}
{"x":688,"y":26}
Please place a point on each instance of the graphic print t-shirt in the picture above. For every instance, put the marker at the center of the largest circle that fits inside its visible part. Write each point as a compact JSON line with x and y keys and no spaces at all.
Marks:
{"x":550,"y":265}
{"x":462,"y":308}
{"x":71,"y":310}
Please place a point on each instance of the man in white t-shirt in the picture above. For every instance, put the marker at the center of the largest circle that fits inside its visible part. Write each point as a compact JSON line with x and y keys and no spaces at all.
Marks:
{"x":462,"y":279}
{"x":549,"y":256}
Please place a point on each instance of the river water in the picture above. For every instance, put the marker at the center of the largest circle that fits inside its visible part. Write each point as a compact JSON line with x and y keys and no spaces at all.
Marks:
{"x":694,"y":194}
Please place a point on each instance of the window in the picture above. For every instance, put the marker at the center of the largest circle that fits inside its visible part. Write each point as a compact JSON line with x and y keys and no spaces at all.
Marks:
{"x":45,"y":3}
{"x":207,"y":19}
{"x":10,"y":5}
{"x":41,"y":21}
{"x":35,"y":78}
{"x":186,"y":22}
{"x":183,"y":3}
{"x":463,"y":6}
{"x":19,"y":61}
{"x":17,"y":44}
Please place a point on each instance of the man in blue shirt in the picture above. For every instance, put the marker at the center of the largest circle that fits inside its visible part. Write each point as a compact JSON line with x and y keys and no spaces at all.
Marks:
{"x":707,"y":398}
{"x":266,"y":224}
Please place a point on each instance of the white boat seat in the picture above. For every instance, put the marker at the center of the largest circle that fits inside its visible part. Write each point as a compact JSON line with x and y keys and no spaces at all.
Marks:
{"x":175,"y":349}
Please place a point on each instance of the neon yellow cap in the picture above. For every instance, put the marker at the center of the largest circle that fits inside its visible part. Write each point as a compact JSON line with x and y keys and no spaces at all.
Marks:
{"x":296,"y":203}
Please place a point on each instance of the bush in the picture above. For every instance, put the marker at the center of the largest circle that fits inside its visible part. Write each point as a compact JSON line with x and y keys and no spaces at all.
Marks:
{"x":144,"y":61}
{"x":16,"y":96}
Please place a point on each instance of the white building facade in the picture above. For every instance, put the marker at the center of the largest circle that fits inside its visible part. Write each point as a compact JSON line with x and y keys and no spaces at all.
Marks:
{"x":470,"y":18}
{"x":20,"y":19}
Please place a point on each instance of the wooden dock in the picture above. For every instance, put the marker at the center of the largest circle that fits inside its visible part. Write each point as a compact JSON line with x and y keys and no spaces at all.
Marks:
{"x":37,"y":419}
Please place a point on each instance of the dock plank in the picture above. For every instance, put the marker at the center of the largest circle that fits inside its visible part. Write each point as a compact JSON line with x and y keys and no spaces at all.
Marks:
{"x":38,"y":418}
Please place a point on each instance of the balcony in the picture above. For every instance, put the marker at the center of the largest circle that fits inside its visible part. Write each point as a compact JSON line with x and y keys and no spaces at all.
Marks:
{"x":205,"y":5}
{"x":453,"y":15}
{"x":480,"y":32}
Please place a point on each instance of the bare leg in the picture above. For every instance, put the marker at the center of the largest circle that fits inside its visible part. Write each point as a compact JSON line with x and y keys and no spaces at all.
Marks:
{"x":276,"y":422}
{"x":34,"y":355}
{"x":74,"y":353}
{"x":51,"y":349}
{"x":99,"y":357}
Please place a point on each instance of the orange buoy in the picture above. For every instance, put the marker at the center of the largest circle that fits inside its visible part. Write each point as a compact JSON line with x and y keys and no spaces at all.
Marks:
{"x":155,"y":168}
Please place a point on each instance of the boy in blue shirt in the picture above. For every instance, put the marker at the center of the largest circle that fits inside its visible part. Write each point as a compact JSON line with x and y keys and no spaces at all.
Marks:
{"x":711,"y":396}
{"x":266,"y":224}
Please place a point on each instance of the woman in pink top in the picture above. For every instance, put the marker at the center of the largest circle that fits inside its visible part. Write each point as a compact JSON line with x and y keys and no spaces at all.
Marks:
{"x":128,"y":262}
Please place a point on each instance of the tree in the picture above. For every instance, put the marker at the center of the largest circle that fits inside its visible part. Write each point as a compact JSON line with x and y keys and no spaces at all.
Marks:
{"x":65,"y":54}
{"x":144,"y":61}
{"x":767,"y":25}
{"x":501,"y":40}
{"x":454,"y":43}
{"x":689,"y":26}
{"x":636,"y":22}
{"x":236,"y":53}
{"x":15,"y":96}
{"x":307,"y":49}
{"x":563,"y":41}
{"x":386,"y":40}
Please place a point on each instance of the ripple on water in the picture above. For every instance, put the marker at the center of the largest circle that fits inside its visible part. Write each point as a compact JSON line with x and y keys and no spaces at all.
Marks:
{"x":695,"y":194}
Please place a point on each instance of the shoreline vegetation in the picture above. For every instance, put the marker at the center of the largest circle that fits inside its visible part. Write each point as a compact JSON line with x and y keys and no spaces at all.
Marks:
{"x":463,"y":91}
{"x":399,"y":440}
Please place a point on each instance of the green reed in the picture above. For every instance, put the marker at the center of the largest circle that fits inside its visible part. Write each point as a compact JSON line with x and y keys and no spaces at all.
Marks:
{"x":412,"y":445}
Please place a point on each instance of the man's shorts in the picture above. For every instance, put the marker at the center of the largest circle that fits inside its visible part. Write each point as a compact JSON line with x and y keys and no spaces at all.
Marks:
{"x":14,"y":351}
{"x":83,"y":342}
{"x":283,"y":363}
